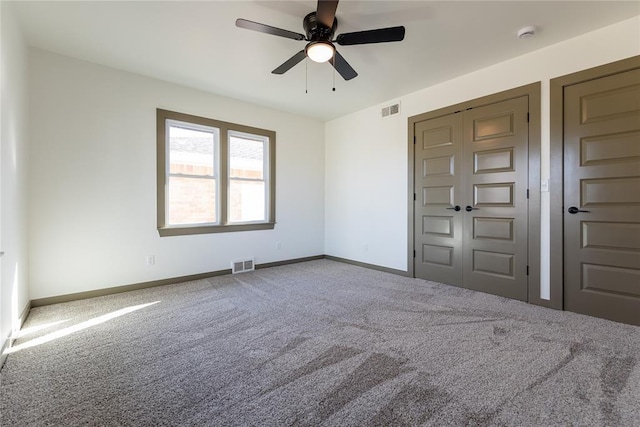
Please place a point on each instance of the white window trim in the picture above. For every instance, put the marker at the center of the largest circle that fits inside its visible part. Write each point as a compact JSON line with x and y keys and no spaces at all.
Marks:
{"x":265,"y":173}
{"x":216,"y":166}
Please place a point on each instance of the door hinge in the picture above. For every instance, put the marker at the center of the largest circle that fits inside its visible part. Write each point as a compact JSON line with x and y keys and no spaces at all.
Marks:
{"x":527,"y":193}
{"x":414,"y":197}
{"x":414,"y":253}
{"x":527,"y":270}
{"x":527,"y":117}
{"x":414,"y":139}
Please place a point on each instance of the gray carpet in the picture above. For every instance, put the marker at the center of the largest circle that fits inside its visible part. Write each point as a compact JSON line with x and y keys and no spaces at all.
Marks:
{"x":318,"y":343}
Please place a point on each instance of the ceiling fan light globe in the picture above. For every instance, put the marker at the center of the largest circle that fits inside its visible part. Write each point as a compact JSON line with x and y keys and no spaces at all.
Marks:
{"x":320,"y":51}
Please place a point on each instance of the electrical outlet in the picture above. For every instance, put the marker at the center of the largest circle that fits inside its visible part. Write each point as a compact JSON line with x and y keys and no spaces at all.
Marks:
{"x":151,"y":260}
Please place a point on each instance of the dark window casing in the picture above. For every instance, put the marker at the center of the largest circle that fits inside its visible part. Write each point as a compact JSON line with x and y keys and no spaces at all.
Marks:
{"x":164,"y":229}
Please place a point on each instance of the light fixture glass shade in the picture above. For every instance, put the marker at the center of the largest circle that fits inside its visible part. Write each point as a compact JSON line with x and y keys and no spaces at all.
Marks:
{"x":320,"y":51}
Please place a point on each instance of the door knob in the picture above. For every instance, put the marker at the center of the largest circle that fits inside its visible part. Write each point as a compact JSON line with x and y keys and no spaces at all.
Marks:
{"x":574,"y":210}
{"x":469,"y":209}
{"x":455,"y":208}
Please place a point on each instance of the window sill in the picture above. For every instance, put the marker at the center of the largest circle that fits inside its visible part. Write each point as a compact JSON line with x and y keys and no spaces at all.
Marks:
{"x":208,"y":229}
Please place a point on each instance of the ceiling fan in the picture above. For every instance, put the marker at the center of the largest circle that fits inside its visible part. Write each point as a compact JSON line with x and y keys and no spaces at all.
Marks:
{"x":320,"y":27}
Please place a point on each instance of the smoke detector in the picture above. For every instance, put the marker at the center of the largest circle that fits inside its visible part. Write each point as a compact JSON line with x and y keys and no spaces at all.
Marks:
{"x":527,"y":32}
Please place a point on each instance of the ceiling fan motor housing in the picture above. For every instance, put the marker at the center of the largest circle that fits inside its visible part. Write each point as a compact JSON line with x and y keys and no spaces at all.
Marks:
{"x":316,"y":31}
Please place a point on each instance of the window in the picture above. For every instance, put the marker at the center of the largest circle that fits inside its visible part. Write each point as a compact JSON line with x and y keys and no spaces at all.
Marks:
{"x":213,"y":176}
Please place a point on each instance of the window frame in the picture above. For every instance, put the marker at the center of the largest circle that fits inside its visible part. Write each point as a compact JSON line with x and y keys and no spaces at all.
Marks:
{"x":225,"y":129}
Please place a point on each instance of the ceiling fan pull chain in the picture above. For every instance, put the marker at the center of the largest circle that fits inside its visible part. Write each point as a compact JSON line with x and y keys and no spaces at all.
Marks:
{"x":334,"y":72}
{"x":306,"y":75}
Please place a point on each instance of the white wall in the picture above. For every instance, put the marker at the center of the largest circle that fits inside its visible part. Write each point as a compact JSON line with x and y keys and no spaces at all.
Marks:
{"x":92,"y":169}
{"x":93,"y":180}
{"x":14,"y":294}
{"x":367,"y":157}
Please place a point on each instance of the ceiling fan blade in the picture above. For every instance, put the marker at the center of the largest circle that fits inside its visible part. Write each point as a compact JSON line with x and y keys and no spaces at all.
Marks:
{"x":290,"y":63}
{"x":267,"y":29}
{"x":342,"y":66}
{"x":326,"y":12}
{"x":381,"y":35}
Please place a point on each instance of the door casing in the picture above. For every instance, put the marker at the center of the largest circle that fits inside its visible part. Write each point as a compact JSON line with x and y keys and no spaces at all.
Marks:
{"x":556,"y":181}
{"x":533,"y":92}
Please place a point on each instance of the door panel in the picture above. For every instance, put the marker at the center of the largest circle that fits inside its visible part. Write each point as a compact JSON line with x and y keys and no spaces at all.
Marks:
{"x":602,"y":183}
{"x":493,"y":228}
{"x":601,"y":149}
{"x":476,"y":158}
{"x":491,"y":161}
{"x":495,"y":250}
{"x":611,"y":235}
{"x":438,"y":228}
{"x":498,"y":194}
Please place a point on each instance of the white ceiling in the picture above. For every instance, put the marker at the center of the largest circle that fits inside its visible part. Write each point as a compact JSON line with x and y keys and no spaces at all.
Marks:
{"x":197,"y":44}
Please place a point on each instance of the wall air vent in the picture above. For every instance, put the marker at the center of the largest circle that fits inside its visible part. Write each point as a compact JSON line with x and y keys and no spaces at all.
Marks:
{"x":242,"y":266}
{"x":390,"y":110}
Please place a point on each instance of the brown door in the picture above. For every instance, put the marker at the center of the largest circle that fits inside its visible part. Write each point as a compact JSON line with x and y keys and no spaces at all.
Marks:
{"x":495,"y":221}
{"x":438,"y":190}
{"x":471,"y":198}
{"x":602,"y":197}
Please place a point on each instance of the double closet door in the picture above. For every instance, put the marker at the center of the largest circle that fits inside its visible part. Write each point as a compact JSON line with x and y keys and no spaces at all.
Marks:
{"x":471,"y":197}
